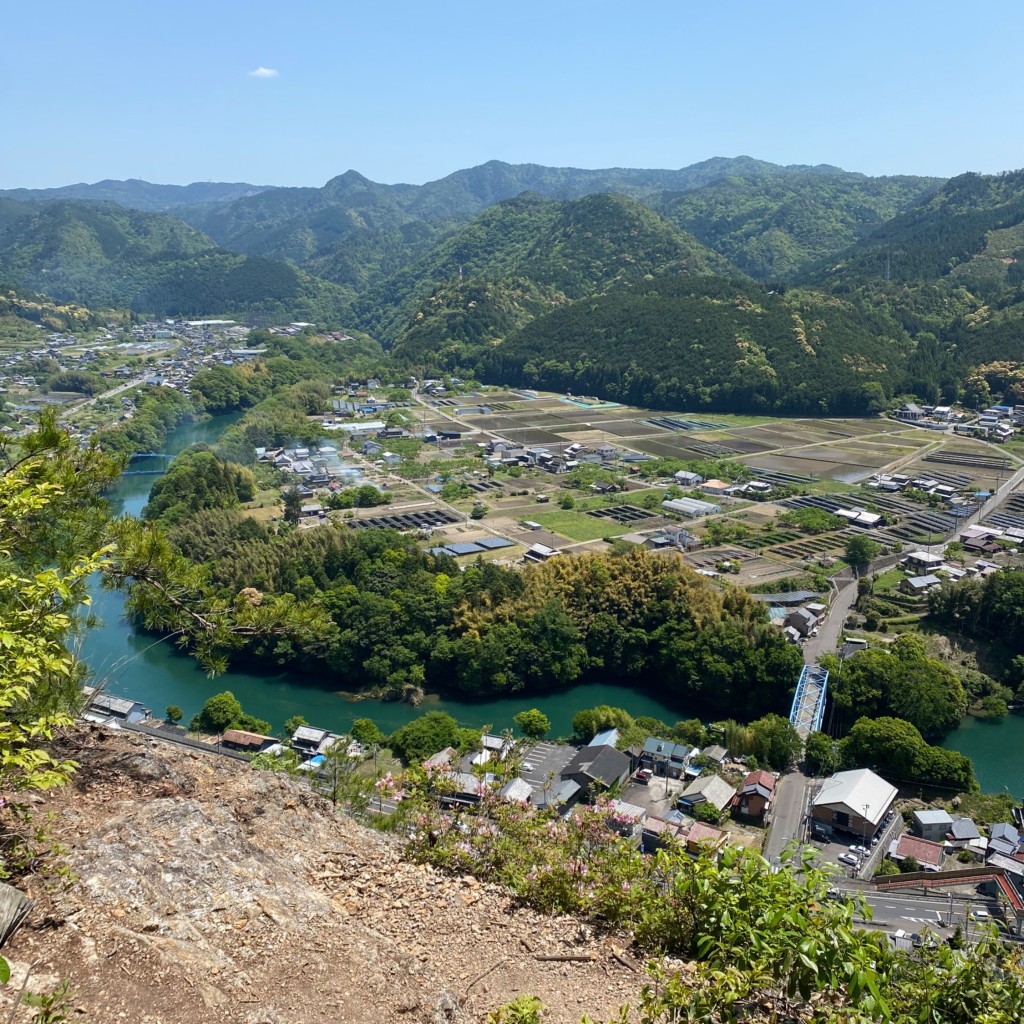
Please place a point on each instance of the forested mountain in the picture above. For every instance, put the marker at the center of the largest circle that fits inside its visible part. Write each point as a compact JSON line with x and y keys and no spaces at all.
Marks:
{"x":546,"y":251}
{"x":950,"y":268}
{"x":707,"y":343}
{"x":775,"y":226}
{"x":354,"y":231}
{"x":625,"y":282}
{"x":135,"y":194}
{"x":967,"y":233}
{"x":101,"y":254}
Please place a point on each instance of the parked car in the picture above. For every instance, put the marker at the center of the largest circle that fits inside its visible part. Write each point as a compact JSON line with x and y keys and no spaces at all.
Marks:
{"x":644,"y":776}
{"x":861,"y":851}
{"x":981,"y":915}
{"x":849,"y":858}
{"x":527,"y":767}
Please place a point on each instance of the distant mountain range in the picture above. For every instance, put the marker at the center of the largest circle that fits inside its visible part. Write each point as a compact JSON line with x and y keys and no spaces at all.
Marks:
{"x":140,"y":195}
{"x":868,"y":287}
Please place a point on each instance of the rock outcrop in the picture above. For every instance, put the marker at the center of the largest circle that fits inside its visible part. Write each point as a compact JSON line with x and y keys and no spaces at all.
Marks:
{"x":204,"y":891}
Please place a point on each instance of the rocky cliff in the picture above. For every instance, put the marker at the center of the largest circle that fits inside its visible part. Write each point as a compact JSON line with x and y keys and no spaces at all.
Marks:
{"x":204,"y":891}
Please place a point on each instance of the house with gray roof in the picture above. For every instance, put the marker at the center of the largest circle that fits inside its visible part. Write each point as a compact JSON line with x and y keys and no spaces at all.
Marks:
{"x":1004,"y":839}
{"x":664,"y":757}
{"x":708,"y":789}
{"x":597,"y":768}
{"x":931,"y":824}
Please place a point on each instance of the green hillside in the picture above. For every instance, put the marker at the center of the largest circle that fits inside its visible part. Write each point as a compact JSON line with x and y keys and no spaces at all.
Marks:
{"x":355,"y":231}
{"x":544,"y":251}
{"x":708,"y":344}
{"x":22,"y":313}
{"x":966,"y":234}
{"x":103,"y":255}
{"x":775,"y":226}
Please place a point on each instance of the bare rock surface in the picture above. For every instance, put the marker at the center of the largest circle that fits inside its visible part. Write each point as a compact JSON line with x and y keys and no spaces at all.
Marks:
{"x":204,"y":891}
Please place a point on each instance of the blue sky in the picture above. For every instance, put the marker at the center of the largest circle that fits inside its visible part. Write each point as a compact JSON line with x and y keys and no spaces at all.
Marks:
{"x":411,"y":92}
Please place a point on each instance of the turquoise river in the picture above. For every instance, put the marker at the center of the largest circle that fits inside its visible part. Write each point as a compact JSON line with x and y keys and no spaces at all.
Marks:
{"x":138,"y":665}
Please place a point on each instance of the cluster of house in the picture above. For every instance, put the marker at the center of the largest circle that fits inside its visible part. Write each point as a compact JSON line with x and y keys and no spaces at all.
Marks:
{"x":893,"y":483}
{"x":936,"y":835}
{"x":997,"y":423}
{"x":803,"y":621}
{"x":569,"y":776}
{"x":668,"y":538}
{"x":316,"y":467}
{"x":927,"y":570}
{"x":721,"y":488}
{"x":502,"y":452}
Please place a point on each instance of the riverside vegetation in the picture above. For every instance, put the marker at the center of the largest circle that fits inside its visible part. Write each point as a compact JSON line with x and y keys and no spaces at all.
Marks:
{"x":560,"y":291}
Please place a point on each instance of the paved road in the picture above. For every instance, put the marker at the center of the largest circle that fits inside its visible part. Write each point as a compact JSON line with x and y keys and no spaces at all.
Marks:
{"x":787,"y":813}
{"x":896,"y":910}
{"x":831,"y":629}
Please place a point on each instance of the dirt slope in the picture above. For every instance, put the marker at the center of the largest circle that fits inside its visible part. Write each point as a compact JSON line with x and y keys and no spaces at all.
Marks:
{"x":204,"y":891}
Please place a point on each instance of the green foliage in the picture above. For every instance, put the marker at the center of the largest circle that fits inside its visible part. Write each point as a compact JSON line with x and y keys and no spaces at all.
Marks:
{"x":861,"y":549}
{"x":776,"y":742}
{"x":909,"y":864}
{"x":753,"y":936}
{"x":221,"y":712}
{"x":894,"y":748}
{"x":532,"y":723}
{"x":197,"y":479}
{"x":521,"y":256}
{"x":822,"y":754}
{"x":173,"y":714}
{"x":588,"y":723}
{"x":773,"y":226}
{"x":100,"y":255}
{"x":812,"y":520}
{"x":709,"y":813}
{"x":158,"y":411}
{"x":366,"y":732}
{"x":902,"y":682}
{"x":293,"y":723}
{"x":886,"y":868}
{"x":415,"y":741}
{"x":707,"y":344}
{"x":523,"y":1009}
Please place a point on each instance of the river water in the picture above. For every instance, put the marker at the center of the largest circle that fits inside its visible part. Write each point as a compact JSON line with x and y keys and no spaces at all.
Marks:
{"x":140,"y":666}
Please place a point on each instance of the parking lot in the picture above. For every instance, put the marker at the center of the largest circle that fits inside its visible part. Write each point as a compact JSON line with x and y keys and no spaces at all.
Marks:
{"x":544,"y":762}
{"x":843,"y":846}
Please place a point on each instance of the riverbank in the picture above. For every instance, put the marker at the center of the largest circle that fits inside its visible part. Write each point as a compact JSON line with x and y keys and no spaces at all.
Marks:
{"x":152,"y":671}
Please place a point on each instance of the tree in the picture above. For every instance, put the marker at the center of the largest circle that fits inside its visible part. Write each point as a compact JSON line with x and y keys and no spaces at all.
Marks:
{"x":291,"y":502}
{"x":860,"y":549}
{"x":366,"y":732}
{"x":293,"y":723}
{"x":588,"y":723}
{"x":174,"y":714}
{"x":415,"y":741}
{"x":776,"y":741}
{"x":532,"y":723}
{"x":221,"y":712}
{"x":821,"y":753}
{"x":909,"y":864}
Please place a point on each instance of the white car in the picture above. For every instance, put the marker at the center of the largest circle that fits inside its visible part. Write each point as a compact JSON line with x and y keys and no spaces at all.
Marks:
{"x":849,"y":858}
{"x":527,"y":767}
{"x":861,"y":851}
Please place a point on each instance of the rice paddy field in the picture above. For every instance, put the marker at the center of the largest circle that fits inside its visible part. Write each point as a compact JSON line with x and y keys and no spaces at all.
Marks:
{"x":830,"y":462}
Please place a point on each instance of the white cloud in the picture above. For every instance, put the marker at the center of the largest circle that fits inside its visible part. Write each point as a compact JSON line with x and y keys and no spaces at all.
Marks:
{"x":262,"y":72}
